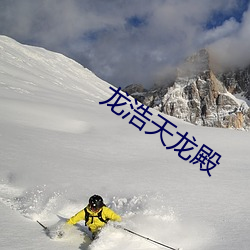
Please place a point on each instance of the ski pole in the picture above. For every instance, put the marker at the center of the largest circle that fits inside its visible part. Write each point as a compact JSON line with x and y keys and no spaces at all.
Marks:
{"x":146,"y":238}
{"x":45,"y":228}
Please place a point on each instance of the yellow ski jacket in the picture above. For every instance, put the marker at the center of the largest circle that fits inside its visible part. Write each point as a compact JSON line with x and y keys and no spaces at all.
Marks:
{"x":94,"y":223}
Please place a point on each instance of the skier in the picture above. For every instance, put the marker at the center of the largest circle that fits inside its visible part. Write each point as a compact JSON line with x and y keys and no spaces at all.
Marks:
{"x":95,"y":214}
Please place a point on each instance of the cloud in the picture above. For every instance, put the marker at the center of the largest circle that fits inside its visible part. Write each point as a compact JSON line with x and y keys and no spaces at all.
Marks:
{"x":232,"y":50}
{"x":121,"y":41}
{"x":228,"y":28}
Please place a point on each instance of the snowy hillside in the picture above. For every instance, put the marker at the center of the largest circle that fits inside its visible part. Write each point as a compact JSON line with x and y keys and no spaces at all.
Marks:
{"x":59,"y":146}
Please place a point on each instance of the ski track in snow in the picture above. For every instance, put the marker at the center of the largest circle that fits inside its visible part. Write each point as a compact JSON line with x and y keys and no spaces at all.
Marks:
{"x":145,"y":214}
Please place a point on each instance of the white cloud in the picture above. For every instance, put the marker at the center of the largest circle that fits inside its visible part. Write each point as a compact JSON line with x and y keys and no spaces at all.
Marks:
{"x":228,"y":28}
{"x":97,"y":32}
{"x":233,"y":50}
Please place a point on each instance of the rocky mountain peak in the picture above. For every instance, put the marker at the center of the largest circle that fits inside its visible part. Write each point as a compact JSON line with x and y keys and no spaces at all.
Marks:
{"x":200,"y":96}
{"x":194,"y":65}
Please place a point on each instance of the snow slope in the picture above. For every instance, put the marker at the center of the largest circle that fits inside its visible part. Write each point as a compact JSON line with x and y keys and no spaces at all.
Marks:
{"x":59,"y":146}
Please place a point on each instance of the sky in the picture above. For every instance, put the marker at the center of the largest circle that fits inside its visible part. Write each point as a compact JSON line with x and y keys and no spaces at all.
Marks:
{"x":132,"y":41}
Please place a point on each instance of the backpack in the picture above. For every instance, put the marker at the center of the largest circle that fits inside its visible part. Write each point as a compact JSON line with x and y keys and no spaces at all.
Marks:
{"x":88,"y":216}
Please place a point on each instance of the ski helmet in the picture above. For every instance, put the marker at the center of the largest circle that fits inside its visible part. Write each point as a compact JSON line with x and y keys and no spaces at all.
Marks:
{"x":95,"y":202}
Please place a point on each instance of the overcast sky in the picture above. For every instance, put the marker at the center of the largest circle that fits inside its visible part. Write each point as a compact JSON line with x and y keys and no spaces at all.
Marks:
{"x":131,"y":41}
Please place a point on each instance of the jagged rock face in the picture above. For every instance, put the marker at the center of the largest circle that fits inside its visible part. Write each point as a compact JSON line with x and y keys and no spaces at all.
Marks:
{"x":237,"y":81}
{"x":134,"y":88}
{"x":137,"y":91}
{"x":199,"y":97}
